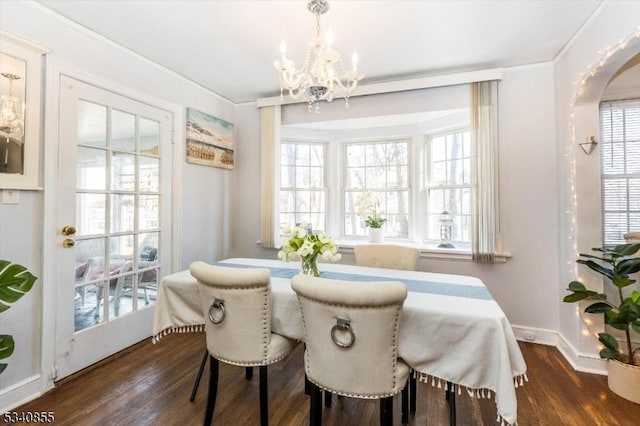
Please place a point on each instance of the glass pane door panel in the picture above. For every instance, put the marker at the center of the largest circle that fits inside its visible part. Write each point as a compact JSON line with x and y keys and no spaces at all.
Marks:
{"x":91,"y":169}
{"x":123,"y":172}
{"x":149,"y":174}
{"x":149,"y":212}
{"x":92,"y":124}
{"x":90,"y":214}
{"x":121,"y":250}
{"x":123,"y":131}
{"x":149,"y":141}
{"x":122,"y":213}
{"x":148,"y":247}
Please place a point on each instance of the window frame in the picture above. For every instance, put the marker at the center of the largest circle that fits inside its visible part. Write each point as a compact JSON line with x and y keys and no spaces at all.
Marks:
{"x":335,"y":166}
{"x":611,"y":106}
{"x":342,"y":147}
{"x":426,"y":187}
{"x":325,"y":179}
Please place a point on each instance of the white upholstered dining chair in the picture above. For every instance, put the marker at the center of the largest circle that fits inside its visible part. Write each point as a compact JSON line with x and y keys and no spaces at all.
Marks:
{"x":351,"y":335}
{"x":236,"y":303}
{"x":387,"y":256}
{"x":391,"y":256}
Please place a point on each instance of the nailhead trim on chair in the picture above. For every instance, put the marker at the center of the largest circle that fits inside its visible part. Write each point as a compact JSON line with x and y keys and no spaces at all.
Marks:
{"x":266,"y":332}
{"x":265,"y":322}
{"x":394,"y":349}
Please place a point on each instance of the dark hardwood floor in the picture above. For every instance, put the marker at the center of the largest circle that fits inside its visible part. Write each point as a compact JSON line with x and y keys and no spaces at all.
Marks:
{"x":151,"y":384}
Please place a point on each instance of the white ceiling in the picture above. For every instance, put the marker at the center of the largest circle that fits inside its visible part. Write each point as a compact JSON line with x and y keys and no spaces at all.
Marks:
{"x":229,"y":46}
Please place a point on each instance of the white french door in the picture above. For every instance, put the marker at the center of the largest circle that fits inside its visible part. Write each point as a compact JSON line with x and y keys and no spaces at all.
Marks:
{"x":113,"y":196}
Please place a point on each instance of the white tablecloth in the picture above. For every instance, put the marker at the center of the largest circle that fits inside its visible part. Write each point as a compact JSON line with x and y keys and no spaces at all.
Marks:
{"x":464,"y":340}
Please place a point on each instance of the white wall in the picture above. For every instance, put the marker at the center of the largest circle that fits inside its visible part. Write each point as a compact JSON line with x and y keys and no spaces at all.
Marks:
{"x":578,"y":174}
{"x":204,"y":194}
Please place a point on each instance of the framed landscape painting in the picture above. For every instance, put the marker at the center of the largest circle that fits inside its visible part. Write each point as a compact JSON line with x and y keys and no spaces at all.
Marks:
{"x":209,"y":140}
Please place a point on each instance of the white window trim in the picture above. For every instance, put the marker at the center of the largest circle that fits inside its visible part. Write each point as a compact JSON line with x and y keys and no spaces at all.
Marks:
{"x":424,"y":196}
{"x":417,"y":202}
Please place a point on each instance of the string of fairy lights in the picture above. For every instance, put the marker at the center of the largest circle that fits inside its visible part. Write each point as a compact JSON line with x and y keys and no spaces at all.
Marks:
{"x":572,"y":211}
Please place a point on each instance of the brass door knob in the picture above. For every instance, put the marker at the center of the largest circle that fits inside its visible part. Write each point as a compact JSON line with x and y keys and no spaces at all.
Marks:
{"x":68,"y":243}
{"x":68,"y":230}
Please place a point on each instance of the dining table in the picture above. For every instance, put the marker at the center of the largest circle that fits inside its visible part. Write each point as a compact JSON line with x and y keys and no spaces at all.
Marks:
{"x":451,"y":329}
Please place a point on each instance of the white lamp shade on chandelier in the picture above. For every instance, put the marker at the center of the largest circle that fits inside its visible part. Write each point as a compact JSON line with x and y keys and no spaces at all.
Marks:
{"x":322,"y":75}
{"x":11,"y":111}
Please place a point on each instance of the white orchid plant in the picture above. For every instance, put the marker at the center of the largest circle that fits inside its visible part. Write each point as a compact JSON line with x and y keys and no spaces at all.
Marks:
{"x":302,"y":244}
{"x":367,"y":207}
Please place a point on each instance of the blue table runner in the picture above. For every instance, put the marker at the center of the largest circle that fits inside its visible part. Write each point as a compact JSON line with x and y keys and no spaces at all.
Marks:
{"x":417,"y":286}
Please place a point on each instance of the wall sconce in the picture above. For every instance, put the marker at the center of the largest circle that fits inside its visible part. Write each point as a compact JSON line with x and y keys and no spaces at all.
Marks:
{"x":589,"y":145}
{"x":445,"y":230}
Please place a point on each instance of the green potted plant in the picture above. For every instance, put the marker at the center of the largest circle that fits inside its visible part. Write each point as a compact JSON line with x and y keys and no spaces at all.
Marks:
{"x":368,"y":207}
{"x":15,"y":281}
{"x":616,"y":265}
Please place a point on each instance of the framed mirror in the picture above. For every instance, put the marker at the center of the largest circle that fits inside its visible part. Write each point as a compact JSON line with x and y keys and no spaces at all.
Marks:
{"x":20,"y":111}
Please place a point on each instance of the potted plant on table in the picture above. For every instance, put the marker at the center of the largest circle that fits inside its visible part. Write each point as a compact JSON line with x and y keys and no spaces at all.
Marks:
{"x":307,"y":246}
{"x":367,"y":207}
{"x":616,"y":265}
{"x":15,"y":281}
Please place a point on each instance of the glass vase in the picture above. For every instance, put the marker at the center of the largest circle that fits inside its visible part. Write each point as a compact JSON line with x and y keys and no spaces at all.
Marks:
{"x":309,"y":265}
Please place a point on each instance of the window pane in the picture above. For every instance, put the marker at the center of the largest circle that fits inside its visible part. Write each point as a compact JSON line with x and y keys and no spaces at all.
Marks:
{"x":90,"y":214}
{"x":316,"y":155}
{"x":123,"y":131}
{"x":92,"y":124}
{"x":287,"y":201}
{"x":123,"y":172}
{"x":91,"y":168}
{"x":620,"y":157}
{"x":355,"y":178}
{"x":375,"y":177}
{"x":149,"y":212}
{"x":355,"y":155}
{"x":302,"y":169}
{"x":122,"y":213}
{"x":302,"y":177}
{"x":149,"y":137}
{"x":382,"y":170}
{"x":149,"y":174}
{"x":450,"y":168}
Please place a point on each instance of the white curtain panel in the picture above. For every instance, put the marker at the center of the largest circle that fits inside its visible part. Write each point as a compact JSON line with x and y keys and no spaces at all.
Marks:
{"x":484,"y":170}
{"x":270,"y":140}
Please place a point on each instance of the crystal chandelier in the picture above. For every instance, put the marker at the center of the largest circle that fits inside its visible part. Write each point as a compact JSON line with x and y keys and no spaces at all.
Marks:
{"x":11,"y":111}
{"x":322,"y":76}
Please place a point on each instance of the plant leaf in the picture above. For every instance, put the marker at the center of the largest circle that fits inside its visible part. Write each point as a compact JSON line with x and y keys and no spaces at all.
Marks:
{"x":626,"y":249}
{"x":598,"y":308}
{"x":607,"y":272}
{"x":6,"y":346}
{"x":608,"y":341}
{"x":636,"y":326}
{"x":635,"y":297}
{"x":622,"y":281}
{"x":619,"y":321}
{"x":577,"y":286}
{"x":629,"y":266}
{"x":15,"y":281}
{"x":608,"y":353}
{"x":575,"y":297}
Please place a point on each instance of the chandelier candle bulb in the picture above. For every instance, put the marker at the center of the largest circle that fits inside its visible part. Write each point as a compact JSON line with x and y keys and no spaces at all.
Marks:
{"x":283,"y":51}
{"x":322,"y":76}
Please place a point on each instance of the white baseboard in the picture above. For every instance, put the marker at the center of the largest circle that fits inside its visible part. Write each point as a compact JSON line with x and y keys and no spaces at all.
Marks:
{"x":582,"y":362}
{"x":20,"y":393}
